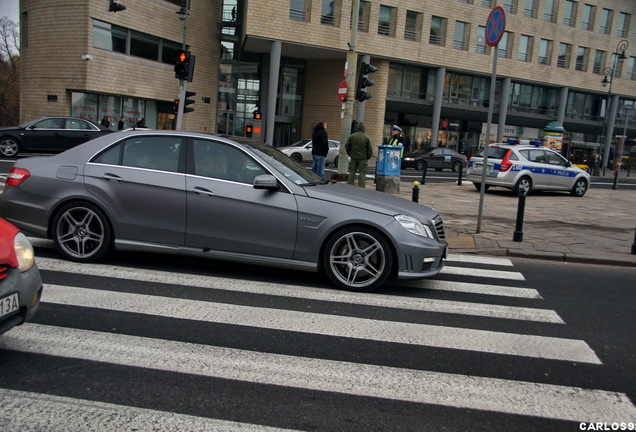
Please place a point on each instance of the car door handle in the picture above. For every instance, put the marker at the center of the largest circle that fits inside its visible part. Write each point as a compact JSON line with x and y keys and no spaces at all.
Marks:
{"x":111,"y":177}
{"x":202,"y":191}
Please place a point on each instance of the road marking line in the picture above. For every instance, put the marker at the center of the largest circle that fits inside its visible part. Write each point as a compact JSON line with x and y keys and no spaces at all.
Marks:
{"x":480,"y":259}
{"x":454,"y":390}
{"x":57,"y":413}
{"x":324,"y":294}
{"x":328,"y":325}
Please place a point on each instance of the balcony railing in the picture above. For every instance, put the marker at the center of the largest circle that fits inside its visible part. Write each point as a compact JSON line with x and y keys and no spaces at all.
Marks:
{"x":297,"y":14}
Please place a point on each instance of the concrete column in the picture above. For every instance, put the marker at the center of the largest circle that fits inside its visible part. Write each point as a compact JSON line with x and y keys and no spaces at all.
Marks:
{"x":563,"y":102}
{"x":611,"y":119}
{"x":274,"y":72}
{"x":504,"y":98}
{"x":437,"y":105}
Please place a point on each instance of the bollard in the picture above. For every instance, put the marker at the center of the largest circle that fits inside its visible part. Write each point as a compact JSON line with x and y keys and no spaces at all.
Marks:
{"x":634,"y":244}
{"x":416,"y":192}
{"x":461,"y":174}
{"x":424,"y":169}
{"x":518,"y":235}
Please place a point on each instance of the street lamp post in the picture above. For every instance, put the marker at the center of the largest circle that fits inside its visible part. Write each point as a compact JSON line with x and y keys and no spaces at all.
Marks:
{"x":610,"y":109}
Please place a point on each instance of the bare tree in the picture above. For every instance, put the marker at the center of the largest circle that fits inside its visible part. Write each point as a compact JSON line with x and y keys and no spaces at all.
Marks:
{"x":9,"y":72}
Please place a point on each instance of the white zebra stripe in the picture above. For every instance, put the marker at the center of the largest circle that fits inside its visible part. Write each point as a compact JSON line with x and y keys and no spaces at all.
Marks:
{"x":329,"y":325}
{"x":453,"y":390}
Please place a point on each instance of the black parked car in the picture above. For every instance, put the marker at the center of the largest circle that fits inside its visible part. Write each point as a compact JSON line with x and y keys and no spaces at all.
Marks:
{"x":437,"y":158}
{"x":48,"y":134}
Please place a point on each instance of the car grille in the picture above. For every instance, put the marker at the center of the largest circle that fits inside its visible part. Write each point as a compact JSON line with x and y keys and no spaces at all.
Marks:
{"x":439,"y":227}
{"x":4,"y":271}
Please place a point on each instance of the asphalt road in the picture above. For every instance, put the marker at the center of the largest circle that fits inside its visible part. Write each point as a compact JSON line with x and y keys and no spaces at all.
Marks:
{"x":150,"y":342}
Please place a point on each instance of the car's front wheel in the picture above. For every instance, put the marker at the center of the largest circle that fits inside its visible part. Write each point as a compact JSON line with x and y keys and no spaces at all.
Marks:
{"x":81,"y":232}
{"x":357,"y":259}
{"x":579,"y":188}
{"x":9,"y":147}
{"x":457,"y":166}
{"x":297,"y":158}
{"x":419,"y":165}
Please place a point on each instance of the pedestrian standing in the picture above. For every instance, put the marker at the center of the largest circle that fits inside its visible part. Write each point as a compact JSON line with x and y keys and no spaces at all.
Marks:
{"x":319,"y":148}
{"x":120,"y":125}
{"x":359,"y":149}
{"x":397,"y":138}
{"x":106,"y":122}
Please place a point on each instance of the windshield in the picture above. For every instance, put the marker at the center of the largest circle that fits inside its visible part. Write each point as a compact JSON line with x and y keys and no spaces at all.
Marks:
{"x":300,"y":143}
{"x":286,"y":166}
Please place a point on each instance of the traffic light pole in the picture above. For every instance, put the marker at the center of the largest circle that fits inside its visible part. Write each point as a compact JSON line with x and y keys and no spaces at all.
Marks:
{"x":347,"y":114}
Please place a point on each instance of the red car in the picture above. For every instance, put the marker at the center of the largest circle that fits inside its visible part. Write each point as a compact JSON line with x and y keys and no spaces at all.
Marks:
{"x":20,"y":281}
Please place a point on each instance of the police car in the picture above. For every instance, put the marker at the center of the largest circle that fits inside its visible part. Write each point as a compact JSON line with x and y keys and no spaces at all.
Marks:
{"x":527,"y":167}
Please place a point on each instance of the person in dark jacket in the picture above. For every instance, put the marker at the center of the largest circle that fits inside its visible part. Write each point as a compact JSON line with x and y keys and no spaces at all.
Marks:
{"x":320,"y":148}
{"x":360,"y":151}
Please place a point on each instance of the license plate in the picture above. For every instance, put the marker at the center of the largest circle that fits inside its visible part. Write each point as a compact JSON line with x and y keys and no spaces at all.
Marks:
{"x":9,"y":304}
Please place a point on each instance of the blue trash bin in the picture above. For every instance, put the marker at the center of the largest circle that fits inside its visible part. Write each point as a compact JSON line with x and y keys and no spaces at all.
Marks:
{"x":389,"y":160}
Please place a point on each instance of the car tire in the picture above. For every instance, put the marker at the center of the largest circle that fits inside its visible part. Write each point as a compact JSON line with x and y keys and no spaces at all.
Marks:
{"x":579,"y":188}
{"x":297,"y":158}
{"x":478,"y":187}
{"x":82,"y":232}
{"x":357,"y":259}
{"x":419,"y":165}
{"x":523,"y":186}
{"x":9,"y":147}
{"x":457,"y":166}
{"x":335,"y":162}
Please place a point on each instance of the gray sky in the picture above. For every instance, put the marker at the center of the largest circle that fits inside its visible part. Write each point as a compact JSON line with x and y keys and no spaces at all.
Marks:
{"x":10,"y":9}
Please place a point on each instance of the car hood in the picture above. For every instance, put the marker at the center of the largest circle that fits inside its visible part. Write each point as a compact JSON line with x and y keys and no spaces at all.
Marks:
{"x":367,"y":199}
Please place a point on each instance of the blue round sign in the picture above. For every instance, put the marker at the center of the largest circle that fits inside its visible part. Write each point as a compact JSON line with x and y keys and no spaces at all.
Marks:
{"x":495,"y":26}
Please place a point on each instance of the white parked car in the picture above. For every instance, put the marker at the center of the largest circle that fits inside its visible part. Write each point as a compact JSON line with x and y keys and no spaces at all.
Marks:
{"x":301,"y":151}
{"x":523,"y":168}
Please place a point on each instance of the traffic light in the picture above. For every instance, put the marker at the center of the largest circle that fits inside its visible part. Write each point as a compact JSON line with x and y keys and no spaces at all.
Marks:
{"x":184,"y":66}
{"x":187,"y":109}
{"x":363,"y":82}
{"x":115,"y":7}
{"x":175,"y":106}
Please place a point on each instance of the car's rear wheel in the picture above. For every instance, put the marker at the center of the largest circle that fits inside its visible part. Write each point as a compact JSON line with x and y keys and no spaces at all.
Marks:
{"x":81,"y":232}
{"x":357,"y":259}
{"x":457,"y":166}
{"x":579,"y":188}
{"x":296,"y":157}
{"x":478,"y":187}
{"x":523,"y":186}
{"x":9,"y":147}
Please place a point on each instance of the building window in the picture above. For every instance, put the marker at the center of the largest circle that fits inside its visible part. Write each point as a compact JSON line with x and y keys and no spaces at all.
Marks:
{"x":582,"y":55}
{"x":462,"y":30}
{"x":510,"y":6}
{"x":487,"y":3}
{"x":549,"y":13}
{"x":616,"y":63}
{"x":386,"y":23}
{"x":503,"y":47}
{"x":482,"y":47}
{"x":412,"y":26}
{"x":588,"y":17}
{"x":545,"y":52}
{"x":438,"y":31}
{"x":623,"y":24}
{"x":525,"y":48}
{"x":328,"y":12}
{"x":533,"y":99}
{"x":363,"y":16}
{"x":605,"y":27}
{"x":299,"y":10}
{"x":530,"y":8}
{"x":631,"y":73}
{"x":122,"y":40}
{"x":569,"y":13}
{"x":599,"y":61}
{"x":563,"y":61}
{"x":410,"y":82}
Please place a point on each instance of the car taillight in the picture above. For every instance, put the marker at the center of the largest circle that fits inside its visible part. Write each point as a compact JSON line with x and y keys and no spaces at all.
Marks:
{"x":505,"y":163}
{"x":17,"y":176}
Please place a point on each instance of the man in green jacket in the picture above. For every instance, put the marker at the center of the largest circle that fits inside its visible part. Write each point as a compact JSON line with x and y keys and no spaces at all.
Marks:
{"x":360,"y":151}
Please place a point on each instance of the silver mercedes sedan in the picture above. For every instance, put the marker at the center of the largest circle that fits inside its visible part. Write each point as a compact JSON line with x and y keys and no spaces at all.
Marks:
{"x":221,"y":197}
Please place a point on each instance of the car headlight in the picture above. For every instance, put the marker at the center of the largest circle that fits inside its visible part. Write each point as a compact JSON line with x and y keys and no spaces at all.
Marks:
{"x":409,"y":159}
{"x":414,"y":226}
{"x":23,"y":252}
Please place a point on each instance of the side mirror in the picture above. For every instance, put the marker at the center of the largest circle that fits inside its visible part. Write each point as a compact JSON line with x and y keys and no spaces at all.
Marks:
{"x":266,"y":181}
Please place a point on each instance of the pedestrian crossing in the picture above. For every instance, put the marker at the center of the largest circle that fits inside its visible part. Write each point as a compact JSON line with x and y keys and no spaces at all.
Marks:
{"x":310,"y":340}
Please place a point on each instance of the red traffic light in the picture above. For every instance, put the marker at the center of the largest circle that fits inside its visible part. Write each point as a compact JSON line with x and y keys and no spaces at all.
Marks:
{"x":182,"y":56}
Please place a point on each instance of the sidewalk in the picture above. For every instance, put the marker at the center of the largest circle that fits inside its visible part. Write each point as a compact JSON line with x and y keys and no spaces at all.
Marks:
{"x":596,"y":228}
